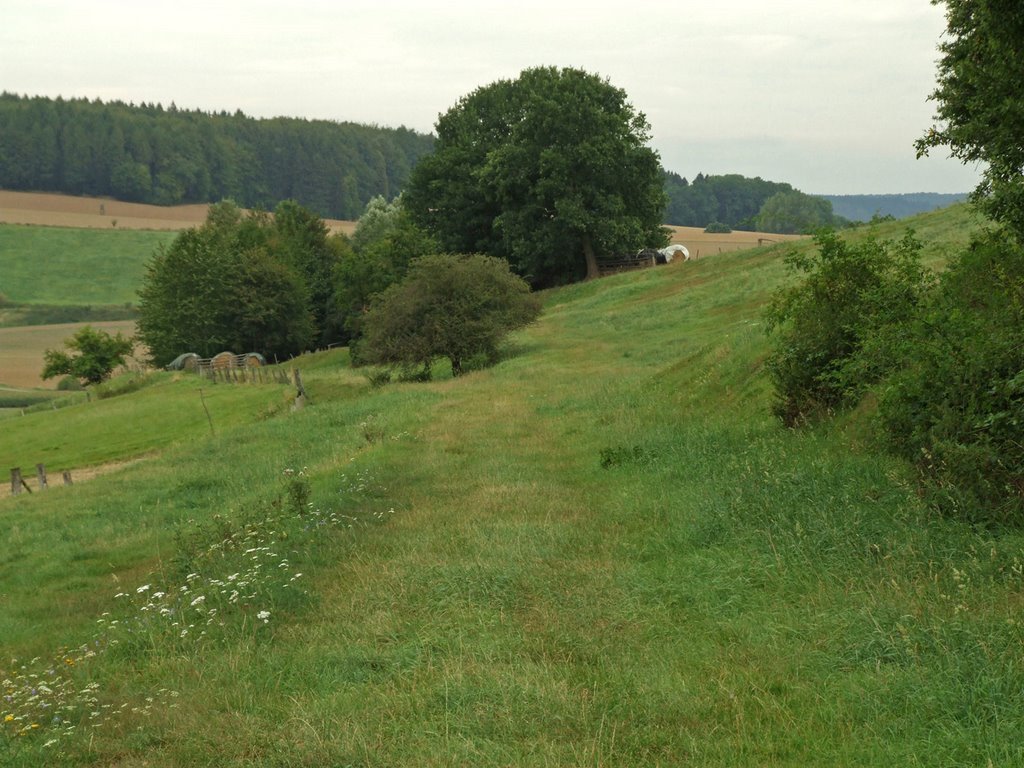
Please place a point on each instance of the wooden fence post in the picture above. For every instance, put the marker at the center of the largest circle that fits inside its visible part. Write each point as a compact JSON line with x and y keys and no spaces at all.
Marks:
{"x":15,"y":481}
{"x":300,"y":393}
{"x":41,"y":474}
{"x":67,"y":477}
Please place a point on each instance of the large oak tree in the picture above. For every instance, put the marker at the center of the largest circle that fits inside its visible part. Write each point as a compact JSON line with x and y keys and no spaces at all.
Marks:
{"x":551,"y":171}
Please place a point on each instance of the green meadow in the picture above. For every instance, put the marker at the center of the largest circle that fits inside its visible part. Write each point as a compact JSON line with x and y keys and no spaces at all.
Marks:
{"x":61,"y":266}
{"x":602,"y":551}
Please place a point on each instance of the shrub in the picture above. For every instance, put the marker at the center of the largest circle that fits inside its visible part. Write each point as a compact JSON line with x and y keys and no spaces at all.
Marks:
{"x":69,"y":384}
{"x":458,"y":307}
{"x":838,"y":329}
{"x":717,"y":228}
{"x":956,"y":405}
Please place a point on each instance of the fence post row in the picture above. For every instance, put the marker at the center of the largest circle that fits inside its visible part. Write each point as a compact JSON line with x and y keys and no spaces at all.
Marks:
{"x":18,"y":483}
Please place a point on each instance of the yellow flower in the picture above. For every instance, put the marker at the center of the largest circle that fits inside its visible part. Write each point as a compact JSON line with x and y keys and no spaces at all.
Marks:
{"x":8,"y":718}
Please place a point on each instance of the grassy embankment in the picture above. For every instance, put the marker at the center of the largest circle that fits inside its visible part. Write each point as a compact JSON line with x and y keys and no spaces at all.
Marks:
{"x":600,"y":552}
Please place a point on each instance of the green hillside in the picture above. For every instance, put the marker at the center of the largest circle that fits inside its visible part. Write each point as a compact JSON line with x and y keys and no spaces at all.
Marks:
{"x":603,"y":551}
{"x":58,"y":267}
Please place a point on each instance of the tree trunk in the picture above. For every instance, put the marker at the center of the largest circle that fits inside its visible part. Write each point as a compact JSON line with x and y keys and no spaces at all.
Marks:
{"x":591,"y":257}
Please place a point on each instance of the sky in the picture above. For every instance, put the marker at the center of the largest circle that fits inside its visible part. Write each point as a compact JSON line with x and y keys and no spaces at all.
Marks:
{"x":827,"y":95}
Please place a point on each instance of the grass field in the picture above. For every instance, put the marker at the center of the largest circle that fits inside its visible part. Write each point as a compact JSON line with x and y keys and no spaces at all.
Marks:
{"x":53,"y":265}
{"x":600,"y":552}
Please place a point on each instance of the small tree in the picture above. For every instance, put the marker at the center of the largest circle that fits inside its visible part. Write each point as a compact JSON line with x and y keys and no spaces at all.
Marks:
{"x":99,"y":354}
{"x":458,"y":307}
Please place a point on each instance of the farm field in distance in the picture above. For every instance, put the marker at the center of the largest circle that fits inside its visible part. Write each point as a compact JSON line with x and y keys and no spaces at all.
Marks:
{"x":59,"y":249}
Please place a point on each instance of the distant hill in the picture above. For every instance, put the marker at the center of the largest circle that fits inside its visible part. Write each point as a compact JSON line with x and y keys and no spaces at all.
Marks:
{"x":864,"y":207}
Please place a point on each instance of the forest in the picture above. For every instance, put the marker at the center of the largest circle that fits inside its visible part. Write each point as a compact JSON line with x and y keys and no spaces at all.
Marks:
{"x":149,"y":153}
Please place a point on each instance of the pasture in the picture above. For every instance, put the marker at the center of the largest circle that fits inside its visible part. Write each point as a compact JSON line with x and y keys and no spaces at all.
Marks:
{"x":602,"y":551}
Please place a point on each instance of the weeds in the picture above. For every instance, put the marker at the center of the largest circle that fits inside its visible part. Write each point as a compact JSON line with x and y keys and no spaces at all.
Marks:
{"x":230,"y":580}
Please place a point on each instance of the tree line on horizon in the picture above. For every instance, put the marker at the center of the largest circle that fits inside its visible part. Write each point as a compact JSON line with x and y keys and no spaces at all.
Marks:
{"x":168,"y":156}
{"x":149,"y":153}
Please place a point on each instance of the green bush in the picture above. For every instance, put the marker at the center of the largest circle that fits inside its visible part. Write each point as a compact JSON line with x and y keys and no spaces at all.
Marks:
{"x":458,"y":307}
{"x":838,"y":329}
{"x":717,"y":228}
{"x":70,"y":384}
{"x":955,"y":407}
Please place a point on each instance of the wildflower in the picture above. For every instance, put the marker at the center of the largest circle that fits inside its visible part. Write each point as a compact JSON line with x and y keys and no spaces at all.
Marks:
{"x":143,"y":588}
{"x":198,"y":600}
{"x":264,"y":615}
{"x":8,"y":718}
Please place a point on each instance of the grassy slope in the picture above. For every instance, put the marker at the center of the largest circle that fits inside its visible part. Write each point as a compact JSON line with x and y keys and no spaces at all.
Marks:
{"x":725,"y":592}
{"x":59,"y":266}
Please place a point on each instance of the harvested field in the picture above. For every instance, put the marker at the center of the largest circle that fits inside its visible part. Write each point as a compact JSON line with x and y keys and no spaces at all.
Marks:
{"x":700,"y":243}
{"x":51,"y":210}
{"x":21,"y":349}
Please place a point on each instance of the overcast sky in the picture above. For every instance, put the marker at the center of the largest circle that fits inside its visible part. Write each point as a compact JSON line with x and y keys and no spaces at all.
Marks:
{"x":828,"y":95}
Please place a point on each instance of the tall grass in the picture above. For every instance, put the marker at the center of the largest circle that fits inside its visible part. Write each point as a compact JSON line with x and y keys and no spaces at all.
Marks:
{"x":600,"y":552}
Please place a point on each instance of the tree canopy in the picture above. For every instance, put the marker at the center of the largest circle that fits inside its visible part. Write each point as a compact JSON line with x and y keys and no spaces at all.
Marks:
{"x":551,"y":171}
{"x":980,"y":97}
{"x":151,"y":154}
{"x":795,"y":213}
{"x":255,"y":283}
{"x":378,"y":254}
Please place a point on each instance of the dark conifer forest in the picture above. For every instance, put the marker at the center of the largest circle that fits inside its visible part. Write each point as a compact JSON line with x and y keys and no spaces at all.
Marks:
{"x":149,"y":153}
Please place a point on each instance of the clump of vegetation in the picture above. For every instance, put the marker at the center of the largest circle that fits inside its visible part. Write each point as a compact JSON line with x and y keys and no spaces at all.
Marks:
{"x":98,"y":354}
{"x":796,"y":213}
{"x":835,"y":326}
{"x":69,"y":384}
{"x":24,"y":398}
{"x":377,"y":256}
{"x":946,"y":362}
{"x":458,"y":307}
{"x":245,"y":283}
{"x":955,"y":405}
{"x":718,"y":228}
